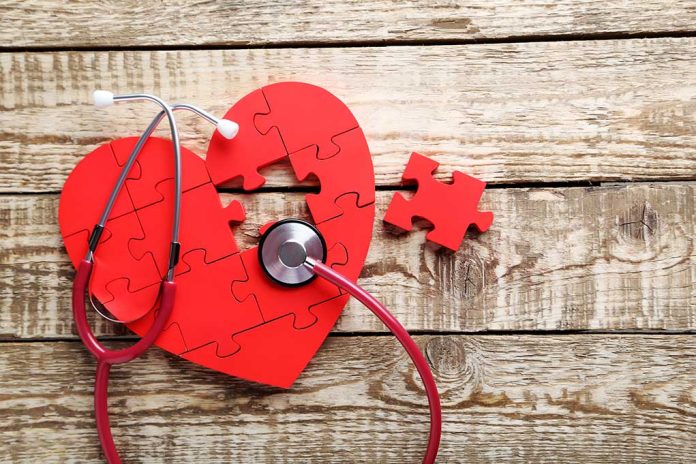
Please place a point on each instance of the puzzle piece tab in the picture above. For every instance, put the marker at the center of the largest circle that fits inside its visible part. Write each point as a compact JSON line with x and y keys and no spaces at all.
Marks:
{"x":123,"y":294}
{"x":155,"y":163}
{"x":349,"y":263}
{"x":450,"y":208}
{"x":250,"y":150}
{"x":349,"y":170}
{"x":205,"y":224}
{"x":305,"y":115}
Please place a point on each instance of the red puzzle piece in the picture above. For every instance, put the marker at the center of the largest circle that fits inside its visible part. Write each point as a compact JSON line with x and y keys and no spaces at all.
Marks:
{"x":205,"y":224}
{"x":276,"y":300}
{"x":155,"y":164}
{"x":250,"y":150}
{"x":205,"y":310}
{"x":114,"y":266}
{"x":450,"y":208}
{"x":347,"y":171}
{"x":86,"y":191}
{"x":305,"y":115}
{"x":353,"y":247}
{"x":269,"y":345}
{"x":145,"y":298}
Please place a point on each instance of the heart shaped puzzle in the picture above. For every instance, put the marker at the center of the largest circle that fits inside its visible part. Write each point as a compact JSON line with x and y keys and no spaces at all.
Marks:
{"x":228,"y":315}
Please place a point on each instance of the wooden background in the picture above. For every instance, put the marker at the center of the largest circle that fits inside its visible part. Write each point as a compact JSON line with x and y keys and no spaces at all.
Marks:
{"x":564,"y":334}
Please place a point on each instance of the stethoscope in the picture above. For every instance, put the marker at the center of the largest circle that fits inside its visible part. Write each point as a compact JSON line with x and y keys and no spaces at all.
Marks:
{"x":292,"y":252}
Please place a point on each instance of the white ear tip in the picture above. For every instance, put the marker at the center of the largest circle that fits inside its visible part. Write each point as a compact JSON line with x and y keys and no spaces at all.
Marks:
{"x":227,"y":128}
{"x":103,"y":98}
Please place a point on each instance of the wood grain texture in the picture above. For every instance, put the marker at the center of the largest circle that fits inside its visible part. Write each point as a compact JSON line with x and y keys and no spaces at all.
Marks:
{"x":579,"y":398}
{"x":507,"y":113}
{"x":58,"y":24}
{"x":607,"y":258}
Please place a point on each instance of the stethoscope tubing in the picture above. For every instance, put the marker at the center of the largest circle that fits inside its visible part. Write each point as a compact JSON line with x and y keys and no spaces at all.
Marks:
{"x":168,"y":111}
{"x":105,"y":357}
{"x":402,"y":335}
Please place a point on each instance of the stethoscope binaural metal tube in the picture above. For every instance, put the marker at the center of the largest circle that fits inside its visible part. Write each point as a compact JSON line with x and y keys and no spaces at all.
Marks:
{"x":136,"y":152}
{"x":139,"y":145}
{"x":177,"y":173}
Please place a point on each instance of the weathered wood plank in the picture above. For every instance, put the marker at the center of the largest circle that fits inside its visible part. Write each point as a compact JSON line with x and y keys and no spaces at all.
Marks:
{"x":608,"y":258}
{"x":586,"y":398}
{"x":56,"y":24}
{"x":510,"y":113}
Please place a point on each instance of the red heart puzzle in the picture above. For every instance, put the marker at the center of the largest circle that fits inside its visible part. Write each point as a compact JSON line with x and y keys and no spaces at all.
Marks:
{"x":228,"y":315}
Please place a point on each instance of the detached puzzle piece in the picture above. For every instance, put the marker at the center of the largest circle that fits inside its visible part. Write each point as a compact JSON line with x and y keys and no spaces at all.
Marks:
{"x":349,"y":170}
{"x":450,"y":208}
{"x":305,"y":115}
{"x":250,"y":150}
{"x":155,"y":163}
{"x":276,"y":300}
{"x":205,"y":224}
{"x":87,"y":189}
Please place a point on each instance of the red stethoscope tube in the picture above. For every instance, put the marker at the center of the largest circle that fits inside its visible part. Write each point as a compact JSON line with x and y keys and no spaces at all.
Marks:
{"x":105,"y":357}
{"x":406,"y":341}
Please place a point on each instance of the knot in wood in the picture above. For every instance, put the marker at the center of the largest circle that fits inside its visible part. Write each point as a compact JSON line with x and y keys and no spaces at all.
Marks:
{"x":638,"y":223}
{"x":460,"y":275}
{"x":446,"y":357}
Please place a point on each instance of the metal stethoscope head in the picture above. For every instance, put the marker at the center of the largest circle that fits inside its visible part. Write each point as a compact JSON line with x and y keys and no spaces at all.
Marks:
{"x":287,"y":249}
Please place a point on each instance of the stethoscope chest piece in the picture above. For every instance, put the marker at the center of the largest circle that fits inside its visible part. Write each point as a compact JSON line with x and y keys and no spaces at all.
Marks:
{"x":284,"y":249}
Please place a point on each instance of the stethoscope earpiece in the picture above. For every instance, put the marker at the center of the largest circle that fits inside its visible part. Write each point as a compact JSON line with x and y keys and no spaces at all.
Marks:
{"x":227,"y":128}
{"x":102,"y":98}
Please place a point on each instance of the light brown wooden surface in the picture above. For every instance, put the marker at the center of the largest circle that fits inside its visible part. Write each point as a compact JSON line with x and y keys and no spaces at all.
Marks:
{"x":55,"y":24}
{"x":588,"y":398}
{"x":566,"y":333}
{"x":608,"y":258}
{"x":507,"y":113}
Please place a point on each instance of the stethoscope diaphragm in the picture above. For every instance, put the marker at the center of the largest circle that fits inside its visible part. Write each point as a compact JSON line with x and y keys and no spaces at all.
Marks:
{"x":286,"y":247}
